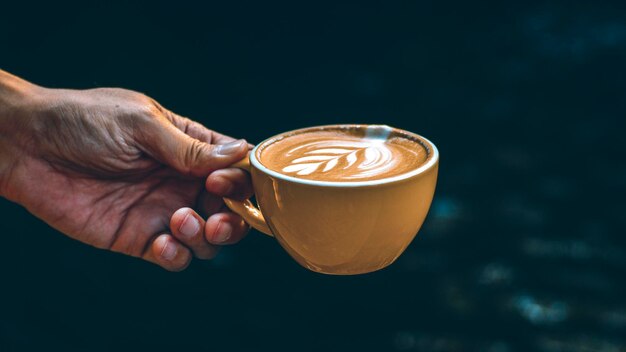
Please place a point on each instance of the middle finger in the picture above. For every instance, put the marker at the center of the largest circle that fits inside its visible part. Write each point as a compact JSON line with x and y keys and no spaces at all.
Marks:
{"x":188,"y":227}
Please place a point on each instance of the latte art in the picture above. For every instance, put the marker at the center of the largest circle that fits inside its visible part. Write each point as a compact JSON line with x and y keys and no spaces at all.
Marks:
{"x":343,"y":155}
{"x":355,"y":159}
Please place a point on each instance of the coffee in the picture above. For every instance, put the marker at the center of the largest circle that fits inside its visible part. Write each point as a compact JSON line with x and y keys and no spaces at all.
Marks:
{"x":344,"y":154}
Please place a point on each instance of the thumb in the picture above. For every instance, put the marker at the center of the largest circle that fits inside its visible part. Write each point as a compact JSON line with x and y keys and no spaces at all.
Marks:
{"x":189,"y":156}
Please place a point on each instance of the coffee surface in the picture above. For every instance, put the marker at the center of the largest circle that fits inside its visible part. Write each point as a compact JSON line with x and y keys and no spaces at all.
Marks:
{"x":338,"y":155}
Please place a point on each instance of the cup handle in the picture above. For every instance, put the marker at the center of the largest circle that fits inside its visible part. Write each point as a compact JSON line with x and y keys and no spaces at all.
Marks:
{"x":250,"y":213}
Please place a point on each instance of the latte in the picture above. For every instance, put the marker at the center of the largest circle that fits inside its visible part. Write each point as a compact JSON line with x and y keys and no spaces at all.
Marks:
{"x":344,"y":154}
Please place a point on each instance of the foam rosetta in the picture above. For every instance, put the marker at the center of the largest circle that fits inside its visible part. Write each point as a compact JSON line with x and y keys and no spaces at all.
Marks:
{"x":343,"y":155}
{"x":355,"y":159}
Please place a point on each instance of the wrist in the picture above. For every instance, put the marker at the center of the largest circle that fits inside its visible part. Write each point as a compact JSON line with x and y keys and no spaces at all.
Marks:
{"x":17,"y":97}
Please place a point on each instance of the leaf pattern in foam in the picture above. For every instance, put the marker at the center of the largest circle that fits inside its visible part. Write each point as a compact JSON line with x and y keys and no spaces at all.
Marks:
{"x":329,"y":154}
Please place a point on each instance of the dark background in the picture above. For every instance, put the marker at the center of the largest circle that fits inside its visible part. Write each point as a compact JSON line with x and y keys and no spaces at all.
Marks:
{"x":523,"y":249}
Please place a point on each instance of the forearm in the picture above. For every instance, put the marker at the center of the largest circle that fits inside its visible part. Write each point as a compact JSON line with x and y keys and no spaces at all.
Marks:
{"x":16,"y":95}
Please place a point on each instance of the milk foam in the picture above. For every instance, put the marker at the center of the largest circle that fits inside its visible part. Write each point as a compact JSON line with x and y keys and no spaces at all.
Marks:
{"x":338,"y":154}
{"x":357,"y":159}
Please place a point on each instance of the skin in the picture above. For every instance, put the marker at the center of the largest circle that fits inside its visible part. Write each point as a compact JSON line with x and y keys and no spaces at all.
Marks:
{"x":114,"y":169}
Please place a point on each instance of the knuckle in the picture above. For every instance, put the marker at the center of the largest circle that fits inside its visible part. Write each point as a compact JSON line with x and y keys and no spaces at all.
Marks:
{"x":148,"y":108}
{"x":139,"y":114}
{"x":179,"y":266}
{"x":193,"y":155}
{"x":197,"y":129}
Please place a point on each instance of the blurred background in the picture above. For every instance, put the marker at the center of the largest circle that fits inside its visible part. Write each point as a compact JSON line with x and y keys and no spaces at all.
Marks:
{"x":523,"y":248}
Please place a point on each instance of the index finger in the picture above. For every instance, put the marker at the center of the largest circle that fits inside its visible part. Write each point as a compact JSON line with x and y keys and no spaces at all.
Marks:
{"x":200,"y":132}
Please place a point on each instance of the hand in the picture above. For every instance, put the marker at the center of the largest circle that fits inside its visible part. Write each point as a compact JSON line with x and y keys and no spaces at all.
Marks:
{"x":114,"y":169}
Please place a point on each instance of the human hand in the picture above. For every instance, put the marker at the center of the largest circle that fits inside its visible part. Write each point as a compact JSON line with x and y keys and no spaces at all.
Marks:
{"x":114,"y":169}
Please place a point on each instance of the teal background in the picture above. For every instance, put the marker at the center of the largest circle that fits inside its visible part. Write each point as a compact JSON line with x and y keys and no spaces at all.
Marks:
{"x":523,"y":249}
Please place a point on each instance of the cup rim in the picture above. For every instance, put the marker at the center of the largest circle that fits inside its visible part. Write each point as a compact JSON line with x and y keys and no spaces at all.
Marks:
{"x":432,"y":159}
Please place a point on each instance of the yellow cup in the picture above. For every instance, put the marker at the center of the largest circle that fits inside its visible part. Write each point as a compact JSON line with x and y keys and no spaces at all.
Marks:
{"x":341,"y":228}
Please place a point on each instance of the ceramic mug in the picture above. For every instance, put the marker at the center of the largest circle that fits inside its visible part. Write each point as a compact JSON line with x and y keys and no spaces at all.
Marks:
{"x":341,"y":228}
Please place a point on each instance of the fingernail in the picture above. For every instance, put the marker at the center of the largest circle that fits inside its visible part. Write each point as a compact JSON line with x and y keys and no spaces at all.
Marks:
{"x":190,"y":226}
{"x":224,"y":230}
{"x":230,"y":148}
{"x":169,"y":251}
